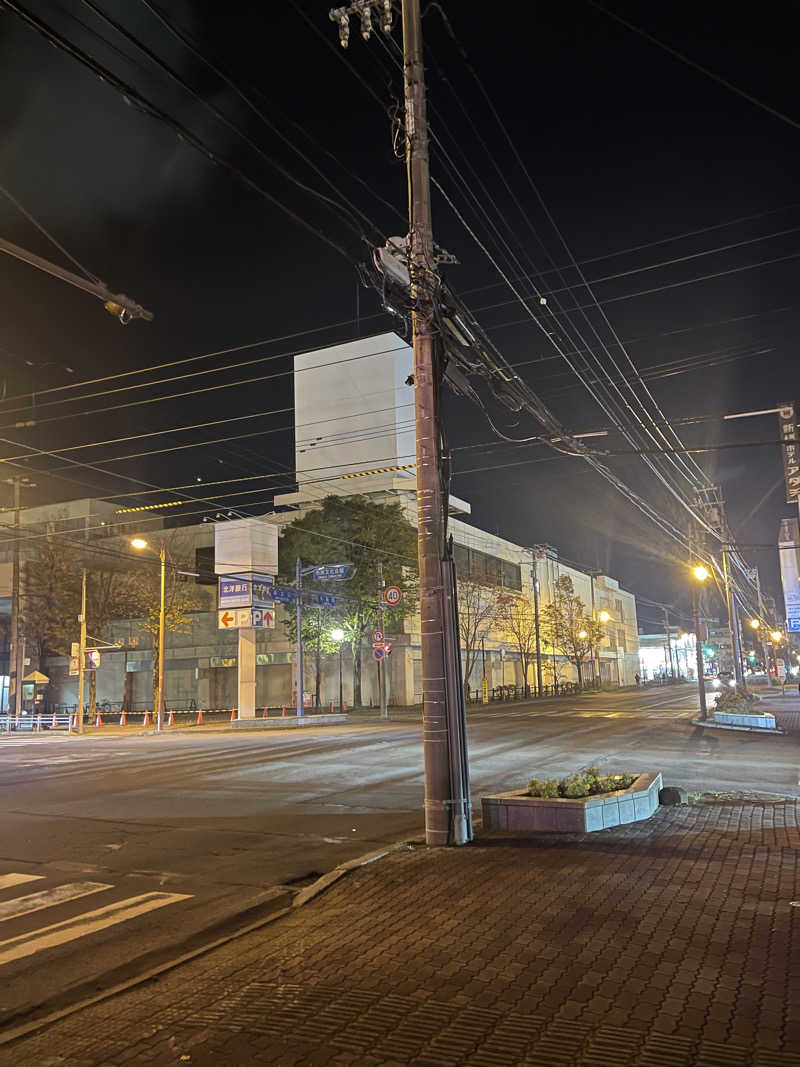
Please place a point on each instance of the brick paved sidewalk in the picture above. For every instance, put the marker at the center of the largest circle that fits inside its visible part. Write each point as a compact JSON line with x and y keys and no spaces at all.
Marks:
{"x":670,"y":943}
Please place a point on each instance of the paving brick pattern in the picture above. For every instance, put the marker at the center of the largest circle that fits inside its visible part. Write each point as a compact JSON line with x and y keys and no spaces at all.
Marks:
{"x":669,"y":943}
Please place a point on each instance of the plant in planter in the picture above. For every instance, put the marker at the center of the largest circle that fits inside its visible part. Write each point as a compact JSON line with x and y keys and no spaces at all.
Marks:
{"x":586,"y":783}
{"x":581,"y":802}
{"x":738,"y":701}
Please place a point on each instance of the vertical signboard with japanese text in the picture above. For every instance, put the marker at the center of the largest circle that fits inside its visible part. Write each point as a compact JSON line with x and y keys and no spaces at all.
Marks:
{"x":788,"y":540}
{"x":787,"y":421}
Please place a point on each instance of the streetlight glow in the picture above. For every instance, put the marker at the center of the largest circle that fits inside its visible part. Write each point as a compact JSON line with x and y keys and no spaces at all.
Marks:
{"x":604,"y":616}
{"x":776,"y":635}
{"x":337,"y":635}
{"x":583,"y":635}
{"x":755,"y":623}
{"x":700,"y":572}
{"x":139,"y":542}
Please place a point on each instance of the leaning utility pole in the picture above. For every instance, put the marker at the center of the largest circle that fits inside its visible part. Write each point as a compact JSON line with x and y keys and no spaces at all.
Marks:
{"x":448,"y":816}
{"x":763,"y":630}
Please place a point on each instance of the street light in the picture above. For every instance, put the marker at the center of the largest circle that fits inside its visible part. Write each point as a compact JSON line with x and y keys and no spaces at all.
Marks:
{"x":604,"y":616}
{"x":700,"y":573}
{"x":755,"y":623}
{"x":337,"y":635}
{"x":140,"y":543}
{"x":583,"y":635}
{"x":776,"y":635}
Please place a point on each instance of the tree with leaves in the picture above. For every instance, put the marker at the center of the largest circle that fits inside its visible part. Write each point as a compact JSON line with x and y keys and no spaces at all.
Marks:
{"x":180,"y":598}
{"x":477,"y":603}
{"x":568,"y":624}
{"x":515,"y":616}
{"x":366,"y":533}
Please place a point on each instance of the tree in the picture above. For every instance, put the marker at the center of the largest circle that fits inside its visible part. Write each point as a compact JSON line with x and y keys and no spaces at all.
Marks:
{"x":52,"y":600}
{"x":368,"y":534}
{"x":476,"y":611}
{"x":568,"y":624}
{"x":180,"y":599}
{"x":516,"y":617}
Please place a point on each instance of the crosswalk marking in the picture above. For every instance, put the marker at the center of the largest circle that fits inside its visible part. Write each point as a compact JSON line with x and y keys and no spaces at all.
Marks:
{"x":7,"y":880}
{"x":45,"y":937}
{"x":48,"y":898}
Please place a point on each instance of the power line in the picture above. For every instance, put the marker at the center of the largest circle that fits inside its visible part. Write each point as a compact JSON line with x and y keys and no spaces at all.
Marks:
{"x":132,"y":95}
{"x":46,"y":233}
{"x":697,"y":66}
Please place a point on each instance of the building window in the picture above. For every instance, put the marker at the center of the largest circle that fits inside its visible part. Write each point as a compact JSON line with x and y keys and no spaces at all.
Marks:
{"x":204,"y":565}
{"x":482,"y":567}
{"x":621,"y":641}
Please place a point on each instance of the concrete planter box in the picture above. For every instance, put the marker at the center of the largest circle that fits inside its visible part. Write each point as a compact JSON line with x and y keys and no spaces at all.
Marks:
{"x":517,"y":811}
{"x":734,"y":718}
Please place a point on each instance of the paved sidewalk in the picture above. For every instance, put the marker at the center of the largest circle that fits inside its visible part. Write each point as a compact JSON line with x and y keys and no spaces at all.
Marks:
{"x":669,"y":943}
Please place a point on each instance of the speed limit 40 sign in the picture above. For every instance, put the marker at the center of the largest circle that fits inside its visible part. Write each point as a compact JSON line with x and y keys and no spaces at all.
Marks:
{"x":392,"y":595}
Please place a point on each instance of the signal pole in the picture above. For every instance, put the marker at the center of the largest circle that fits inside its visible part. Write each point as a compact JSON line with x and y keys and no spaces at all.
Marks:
{"x":82,"y":652}
{"x":448,"y":817}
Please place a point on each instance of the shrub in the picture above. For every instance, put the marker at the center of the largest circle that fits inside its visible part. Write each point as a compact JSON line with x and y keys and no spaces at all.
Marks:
{"x":588,"y":782}
{"x":737,"y":700}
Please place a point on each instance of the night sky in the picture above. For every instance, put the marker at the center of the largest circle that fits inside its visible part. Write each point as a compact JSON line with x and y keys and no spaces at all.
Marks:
{"x":626,"y":144}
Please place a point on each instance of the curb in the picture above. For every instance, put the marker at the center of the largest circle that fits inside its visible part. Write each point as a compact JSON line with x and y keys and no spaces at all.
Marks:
{"x":740,"y":729}
{"x":326,"y":880}
{"x":278,"y":906}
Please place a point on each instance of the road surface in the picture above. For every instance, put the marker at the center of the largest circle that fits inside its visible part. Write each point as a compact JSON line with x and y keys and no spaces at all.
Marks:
{"x":117,"y":851}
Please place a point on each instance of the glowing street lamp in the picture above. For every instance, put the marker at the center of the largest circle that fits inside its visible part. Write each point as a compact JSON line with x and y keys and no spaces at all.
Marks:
{"x":776,"y":635}
{"x":583,"y":635}
{"x":755,"y":623}
{"x":700,"y":572}
{"x":604,"y":616}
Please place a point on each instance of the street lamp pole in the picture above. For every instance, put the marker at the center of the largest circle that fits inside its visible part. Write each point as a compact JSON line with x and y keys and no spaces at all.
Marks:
{"x":82,"y":652}
{"x":341,"y":687}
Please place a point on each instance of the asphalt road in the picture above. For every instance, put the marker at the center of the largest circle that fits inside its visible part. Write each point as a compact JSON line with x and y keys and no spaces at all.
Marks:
{"x":114,"y":850}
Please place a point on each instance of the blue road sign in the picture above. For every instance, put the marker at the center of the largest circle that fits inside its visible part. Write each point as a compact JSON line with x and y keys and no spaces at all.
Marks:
{"x":284,"y":594}
{"x":378,"y":653}
{"x":234,"y":593}
{"x":333,"y":572}
{"x":261,"y":585}
{"x":324,"y":600}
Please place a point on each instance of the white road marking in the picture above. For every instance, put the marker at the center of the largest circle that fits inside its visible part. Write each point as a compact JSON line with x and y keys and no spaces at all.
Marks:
{"x":48,"y":898}
{"x":7,"y":880}
{"x":17,"y":948}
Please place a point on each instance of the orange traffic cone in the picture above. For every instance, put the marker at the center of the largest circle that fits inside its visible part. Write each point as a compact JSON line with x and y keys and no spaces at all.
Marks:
{"x":122,"y":719}
{"x":283,"y":711}
{"x":200,"y":718}
{"x":171,"y":719}
{"x":345,"y":706}
{"x":146,"y":719}
{"x":234,"y":716}
{"x":98,"y":721}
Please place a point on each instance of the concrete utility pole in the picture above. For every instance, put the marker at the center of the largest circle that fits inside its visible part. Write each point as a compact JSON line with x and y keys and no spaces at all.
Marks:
{"x":14,"y":669}
{"x":669,"y":642}
{"x":733,"y":623}
{"x":82,"y":651}
{"x":382,"y":695}
{"x":762,"y":628}
{"x":448,"y":817}
{"x":537,"y":625}
{"x":299,"y":682}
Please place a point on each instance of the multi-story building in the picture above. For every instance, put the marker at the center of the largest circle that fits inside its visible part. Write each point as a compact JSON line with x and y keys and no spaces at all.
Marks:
{"x":354,"y":434}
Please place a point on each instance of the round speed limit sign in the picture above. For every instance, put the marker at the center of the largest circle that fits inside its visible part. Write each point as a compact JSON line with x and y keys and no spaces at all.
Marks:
{"x":392,"y":596}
